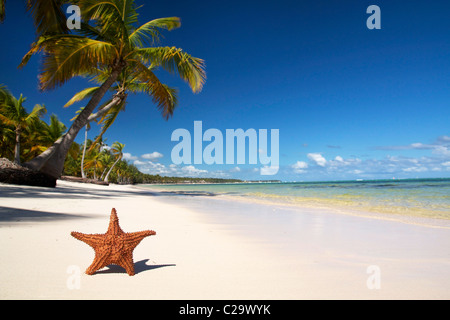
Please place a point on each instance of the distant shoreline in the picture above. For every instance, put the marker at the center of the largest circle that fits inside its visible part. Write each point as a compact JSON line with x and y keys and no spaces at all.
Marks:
{"x":312,"y":181}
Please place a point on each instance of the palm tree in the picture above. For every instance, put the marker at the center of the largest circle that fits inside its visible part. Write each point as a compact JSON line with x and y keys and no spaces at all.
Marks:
{"x":87,"y":127}
{"x":91,"y":160}
{"x":40,"y":136}
{"x":117,"y":150}
{"x":105,"y":160}
{"x":109,"y":43}
{"x":72,"y":163}
{"x":14,"y":114}
{"x":54,"y":130}
{"x":125,"y":84}
{"x":7,"y":141}
{"x":121,"y":169}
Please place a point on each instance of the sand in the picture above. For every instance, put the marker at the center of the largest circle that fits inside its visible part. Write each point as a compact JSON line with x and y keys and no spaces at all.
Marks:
{"x":211,"y":248}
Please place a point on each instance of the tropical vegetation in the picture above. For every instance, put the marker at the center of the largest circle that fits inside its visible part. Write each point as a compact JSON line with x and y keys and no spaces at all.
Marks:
{"x":24,"y":134}
{"x":111,"y":49}
{"x":121,"y":57}
{"x":22,"y":130}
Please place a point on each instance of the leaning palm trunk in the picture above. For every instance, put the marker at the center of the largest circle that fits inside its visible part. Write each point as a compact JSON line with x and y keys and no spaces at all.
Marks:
{"x":83,"y":175}
{"x":52,"y":160}
{"x":110,"y":170}
{"x":113,"y":41}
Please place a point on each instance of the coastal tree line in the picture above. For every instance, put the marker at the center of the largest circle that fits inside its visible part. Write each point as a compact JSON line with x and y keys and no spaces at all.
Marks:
{"x":24,"y":134}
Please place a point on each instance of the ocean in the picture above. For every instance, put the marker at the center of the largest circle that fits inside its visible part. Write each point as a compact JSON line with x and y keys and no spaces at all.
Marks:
{"x":427,"y":198}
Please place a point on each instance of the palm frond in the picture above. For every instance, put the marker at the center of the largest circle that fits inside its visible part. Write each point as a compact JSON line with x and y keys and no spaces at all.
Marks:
{"x":164,"y":97}
{"x":150,"y":32}
{"x":56,"y":127}
{"x":37,"y":112}
{"x":48,"y":16}
{"x":108,"y":14}
{"x":5,"y":95}
{"x":129,"y":14}
{"x":66,"y":56}
{"x":172,"y":59}
{"x":83,"y":94}
{"x":108,"y":119}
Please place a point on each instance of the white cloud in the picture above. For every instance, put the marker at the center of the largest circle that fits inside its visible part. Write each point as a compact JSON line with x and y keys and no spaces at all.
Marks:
{"x":235,"y":169}
{"x":440,"y":146}
{"x":152,"y":167}
{"x":269,"y":171}
{"x":152,"y":156}
{"x":191,"y":170}
{"x":128,"y":156}
{"x":349,"y":168}
{"x":317,"y":158}
{"x":173,"y":170}
{"x":299,"y":167}
{"x":442,"y":151}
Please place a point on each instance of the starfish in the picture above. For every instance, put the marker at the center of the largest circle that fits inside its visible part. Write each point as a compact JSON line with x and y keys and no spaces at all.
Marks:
{"x":113,"y":247}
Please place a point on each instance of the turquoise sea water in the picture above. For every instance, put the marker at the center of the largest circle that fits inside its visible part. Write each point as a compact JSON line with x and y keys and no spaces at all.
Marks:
{"x":416,"y":197}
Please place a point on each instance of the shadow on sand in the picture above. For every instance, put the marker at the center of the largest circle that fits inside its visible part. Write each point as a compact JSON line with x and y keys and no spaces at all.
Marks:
{"x":139,"y":267}
{"x":74,"y":192}
{"x":21,"y":215}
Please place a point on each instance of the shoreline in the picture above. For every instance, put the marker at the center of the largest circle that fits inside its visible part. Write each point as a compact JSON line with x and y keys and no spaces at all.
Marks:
{"x":336,"y":209}
{"x":250,"y":252}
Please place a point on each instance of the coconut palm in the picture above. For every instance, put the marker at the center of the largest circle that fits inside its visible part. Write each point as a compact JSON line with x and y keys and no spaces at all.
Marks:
{"x":91,"y":162}
{"x":86,"y":130}
{"x":117,"y":150}
{"x":111,"y":108}
{"x":14,"y":114}
{"x":105,"y":160}
{"x":108,"y":44}
{"x":7,"y":141}
{"x":54,"y":130}
{"x":40,"y":136}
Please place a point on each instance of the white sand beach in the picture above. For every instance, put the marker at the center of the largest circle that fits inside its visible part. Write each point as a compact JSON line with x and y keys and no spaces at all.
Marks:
{"x":236,"y":251}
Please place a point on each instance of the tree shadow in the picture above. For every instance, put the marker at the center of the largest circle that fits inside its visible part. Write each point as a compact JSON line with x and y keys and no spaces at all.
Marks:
{"x":21,"y":215}
{"x":139,"y":267}
{"x":83,"y":192}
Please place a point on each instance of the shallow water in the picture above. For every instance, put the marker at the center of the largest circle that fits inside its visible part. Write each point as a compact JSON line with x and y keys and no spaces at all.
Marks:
{"x":427,"y":198}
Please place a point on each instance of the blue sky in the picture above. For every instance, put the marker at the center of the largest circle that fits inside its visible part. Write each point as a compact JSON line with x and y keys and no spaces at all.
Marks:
{"x":349,"y":102}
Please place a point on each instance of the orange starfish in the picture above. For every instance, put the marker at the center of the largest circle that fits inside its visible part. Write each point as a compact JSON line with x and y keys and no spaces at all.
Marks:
{"x":113,"y":247}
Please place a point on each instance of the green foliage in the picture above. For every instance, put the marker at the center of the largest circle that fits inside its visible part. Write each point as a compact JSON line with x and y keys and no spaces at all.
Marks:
{"x":24,"y":134}
{"x":100,"y":160}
